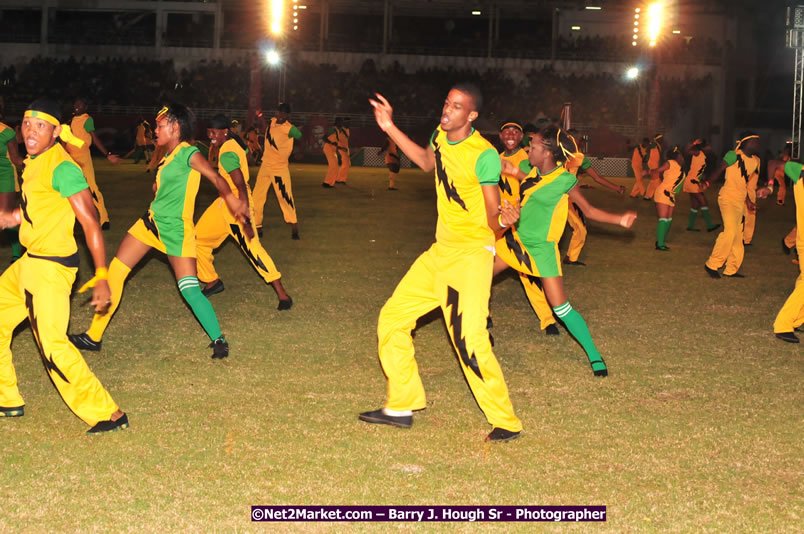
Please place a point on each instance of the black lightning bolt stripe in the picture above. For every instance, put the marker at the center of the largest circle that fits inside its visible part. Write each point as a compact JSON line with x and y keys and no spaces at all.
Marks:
{"x":525,"y":185}
{"x":516,"y":248}
{"x":270,"y":139}
{"x":443,"y":179}
{"x":24,"y":207}
{"x":150,"y":224}
{"x":281,"y":187}
{"x":243,"y":244}
{"x":456,"y":326}
{"x":743,"y":170}
{"x":46,"y":360}
{"x":535,"y":280}
{"x":505,"y":187}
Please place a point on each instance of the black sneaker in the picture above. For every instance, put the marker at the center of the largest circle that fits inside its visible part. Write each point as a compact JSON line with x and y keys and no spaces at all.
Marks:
{"x":325,"y":184}
{"x":19,"y":411}
{"x":217,"y":287}
{"x":599,"y":368}
{"x":713,"y":228}
{"x":785,"y":248}
{"x":379,"y":417}
{"x":500,"y":434}
{"x":663,"y":248}
{"x":294,"y":236}
{"x":747,"y":244}
{"x":551,"y":330}
{"x":693,"y":230}
{"x":567,"y":261}
{"x":220,"y":348}
{"x":285,"y":304}
{"x":790,"y":337}
{"x":84,"y":342}
{"x":735,"y":275}
{"x":105,"y":226}
{"x":711,"y":272}
{"x":109,"y":426}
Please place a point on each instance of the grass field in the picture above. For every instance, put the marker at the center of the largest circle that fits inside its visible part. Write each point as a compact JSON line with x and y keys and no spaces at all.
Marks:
{"x":697,"y":428}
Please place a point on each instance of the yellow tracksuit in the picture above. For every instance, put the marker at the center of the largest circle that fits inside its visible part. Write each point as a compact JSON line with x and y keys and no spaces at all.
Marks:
{"x":331,"y":152}
{"x":274,"y":171}
{"x":729,"y":248}
{"x":455,"y":275}
{"x":792,"y":313}
{"x":82,"y":127}
{"x":38,"y":286}
{"x":217,"y":223}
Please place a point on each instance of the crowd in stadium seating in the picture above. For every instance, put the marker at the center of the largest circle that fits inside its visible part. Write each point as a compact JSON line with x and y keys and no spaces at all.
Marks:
{"x":596,"y":98}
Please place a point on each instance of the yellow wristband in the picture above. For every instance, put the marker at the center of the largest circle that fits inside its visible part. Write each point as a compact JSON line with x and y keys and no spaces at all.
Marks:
{"x":101,"y":273}
{"x":499,"y":221}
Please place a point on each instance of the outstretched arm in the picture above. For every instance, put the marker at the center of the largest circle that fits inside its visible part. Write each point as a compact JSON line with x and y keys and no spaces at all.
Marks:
{"x":383,"y":113}
{"x":626,"y":220}
{"x":98,"y":143}
{"x":605,"y":183}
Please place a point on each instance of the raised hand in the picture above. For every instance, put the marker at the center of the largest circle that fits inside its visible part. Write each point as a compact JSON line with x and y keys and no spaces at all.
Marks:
{"x":383,"y":112}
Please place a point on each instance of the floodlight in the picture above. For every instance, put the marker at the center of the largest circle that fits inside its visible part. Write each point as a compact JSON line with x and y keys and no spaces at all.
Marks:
{"x":633,"y":72}
{"x":272,"y":57}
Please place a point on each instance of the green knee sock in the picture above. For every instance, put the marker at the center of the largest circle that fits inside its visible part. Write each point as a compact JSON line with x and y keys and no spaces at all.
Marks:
{"x":693,"y":216}
{"x":13,"y":238}
{"x":705,"y":213}
{"x":661,"y":230}
{"x":200,"y":305}
{"x":577,"y":327}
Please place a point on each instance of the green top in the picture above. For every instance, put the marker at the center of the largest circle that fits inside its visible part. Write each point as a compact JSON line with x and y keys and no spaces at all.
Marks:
{"x":229,"y":161}
{"x":295,"y":133}
{"x":730,"y":157}
{"x":173,"y":179}
{"x":586,"y":163}
{"x":89,"y":125}
{"x":5,"y":136}
{"x":543,"y":216}
{"x":68,"y":179}
{"x":488,"y":167}
{"x":793,"y":170}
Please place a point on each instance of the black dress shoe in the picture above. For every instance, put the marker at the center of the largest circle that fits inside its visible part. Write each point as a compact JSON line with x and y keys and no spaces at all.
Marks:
{"x":790,"y":337}
{"x":379,"y":417}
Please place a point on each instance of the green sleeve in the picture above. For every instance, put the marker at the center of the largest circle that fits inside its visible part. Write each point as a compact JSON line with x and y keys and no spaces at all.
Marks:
{"x":432,"y":139}
{"x":488,"y":167}
{"x":295,"y":133}
{"x":189,"y":152}
{"x":525,"y":166}
{"x":7,"y":135}
{"x":68,"y":179}
{"x":792,"y":170}
{"x":586,"y":163}
{"x":730,"y":158}
{"x":89,"y":125}
{"x":229,"y":161}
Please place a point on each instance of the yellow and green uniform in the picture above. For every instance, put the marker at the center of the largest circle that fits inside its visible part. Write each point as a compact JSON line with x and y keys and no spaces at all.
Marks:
{"x":792,"y":313}
{"x":543,"y":215}
{"x":574,"y":219}
{"x":508,"y":246}
{"x":750,"y":222}
{"x":274,"y":171}
{"x":639,"y":161}
{"x":455,"y":275}
{"x":333,"y":157}
{"x":654,"y":159}
{"x":217,"y":223}
{"x":168,"y":227}
{"x":392,"y":162}
{"x":7,"y":171}
{"x":82,"y":127}
{"x":343,"y":149}
{"x":142,"y":141}
{"x":38,"y":287}
{"x":728,"y":248}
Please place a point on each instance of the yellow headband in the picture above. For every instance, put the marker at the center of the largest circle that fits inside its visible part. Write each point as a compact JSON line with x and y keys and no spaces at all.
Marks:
{"x":65,"y":135}
{"x":567,"y":153}
{"x":511,"y":125}
{"x":746,"y":138}
{"x":161,"y":112}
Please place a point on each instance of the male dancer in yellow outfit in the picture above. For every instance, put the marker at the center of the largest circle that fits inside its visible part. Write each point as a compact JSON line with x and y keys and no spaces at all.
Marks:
{"x":38,"y":285}
{"x":343,"y":148}
{"x":331,"y":143}
{"x":739,"y":164}
{"x":791,"y":316}
{"x":274,"y":171}
{"x":639,"y":160}
{"x":654,"y":160}
{"x":83,"y":127}
{"x":455,"y":273}
{"x":511,"y":135}
{"x":217,"y":222}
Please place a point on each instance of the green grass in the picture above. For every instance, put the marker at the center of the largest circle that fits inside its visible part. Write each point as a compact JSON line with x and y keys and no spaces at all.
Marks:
{"x":698,"y":427}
